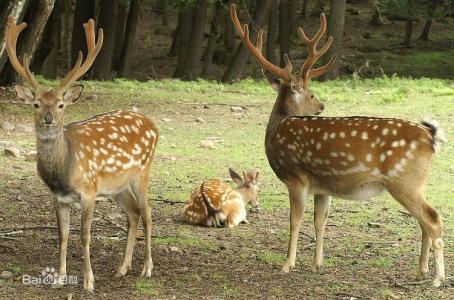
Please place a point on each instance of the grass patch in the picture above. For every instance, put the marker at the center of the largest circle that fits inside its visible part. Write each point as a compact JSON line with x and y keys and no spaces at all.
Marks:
{"x":271,"y":257}
{"x":184,"y":241}
{"x":147,"y":287}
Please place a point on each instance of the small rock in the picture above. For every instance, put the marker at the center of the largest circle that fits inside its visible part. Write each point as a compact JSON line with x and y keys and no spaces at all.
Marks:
{"x":5,"y":125}
{"x":173,"y":146}
{"x":114,"y":216}
{"x":206,"y":106}
{"x":200,"y":120}
{"x":135,"y":109}
{"x":374,"y":225}
{"x":31,"y":156}
{"x":12,"y":151}
{"x":207,"y":144}
{"x":6,"y":275}
{"x":24,"y":128}
{"x":176,"y":249}
{"x":166,"y":120}
{"x":91,"y":98}
{"x":173,"y":158}
{"x":236,"y":109}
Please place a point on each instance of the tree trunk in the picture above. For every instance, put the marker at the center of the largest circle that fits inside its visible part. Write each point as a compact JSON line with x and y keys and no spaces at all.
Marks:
{"x":304,"y":9}
{"x":102,"y":66}
{"x":184,"y":25}
{"x":318,"y":8}
{"x":119,"y":33}
{"x":284,"y":30}
{"x":175,"y":42}
{"x":229,"y":33}
{"x":17,"y":9}
{"x":431,"y":9}
{"x":165,"y":12}
{"x":408,"y":25}
{"x":211,"y":45}
{"x":336,"y":21}
{"x":271,"y":39}
{"x":37,"y":15}
{"x":293,"y":16}
{"x":192,"y":62}
{"x":130,"y":36}
{"x":376,"y":18}
{"x":241,"y":55}
{"x":85,"y":9}
{"x":49,"y":41}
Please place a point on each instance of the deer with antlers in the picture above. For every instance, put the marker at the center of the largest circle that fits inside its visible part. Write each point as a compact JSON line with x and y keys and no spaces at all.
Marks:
{"x":347,"y":157}
{"x":109,"y":154}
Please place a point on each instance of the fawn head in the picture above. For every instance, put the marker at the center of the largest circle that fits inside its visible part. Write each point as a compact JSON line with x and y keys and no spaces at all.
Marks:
{"x":247,"y":185}
{"x":49,"y":105}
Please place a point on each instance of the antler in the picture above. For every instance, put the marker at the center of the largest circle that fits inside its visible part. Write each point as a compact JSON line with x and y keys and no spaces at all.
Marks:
{"x":243,"y":31}
{"x":12,"y":33}
{"x":314,"y":55}
{"x":93,"y":50}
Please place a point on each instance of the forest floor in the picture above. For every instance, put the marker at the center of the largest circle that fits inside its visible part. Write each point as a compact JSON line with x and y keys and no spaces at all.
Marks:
{"x":361,"y":261}
{"x":380,"y":47}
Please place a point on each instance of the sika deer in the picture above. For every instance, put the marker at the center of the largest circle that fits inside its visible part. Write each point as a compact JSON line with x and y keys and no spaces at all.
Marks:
{"x":214,"y":202}
{"x":349,"y":157}
{"x":109,"y":154}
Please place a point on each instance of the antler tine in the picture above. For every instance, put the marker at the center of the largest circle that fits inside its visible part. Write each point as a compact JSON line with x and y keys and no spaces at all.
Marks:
{"x":12,"y":34}
{"x":93,"y":47}
{"x":243,"y":32}
{"x":314,"y":55}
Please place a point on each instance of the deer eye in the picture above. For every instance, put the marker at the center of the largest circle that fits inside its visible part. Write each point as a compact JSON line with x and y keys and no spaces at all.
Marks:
{"x":36,"y":105}
{"x":312,"y":96}
{"x":61,"y":106}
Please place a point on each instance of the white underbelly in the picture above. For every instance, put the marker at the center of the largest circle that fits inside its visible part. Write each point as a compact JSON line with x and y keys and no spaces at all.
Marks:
{"x":363,"y":192}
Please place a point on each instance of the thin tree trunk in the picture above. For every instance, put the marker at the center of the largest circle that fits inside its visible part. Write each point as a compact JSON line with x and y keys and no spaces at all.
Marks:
{"x":192,"y":62}
{"x":184,"y":25}
{"x":241,"y":55}
{"x":376,"y":19}
{"x":318,"y":8}
{"x":293,"y":16}
{"x":211,"y":45}
{"x":119,"y":33}
{"x":408,"y":25}
{"x":37,"y":14}
{"x":229,"y":33}
{"x":102,"y":66}
{"x":130,"y":37}
{"x":175,"y":42}
{"x":165,"y":12}
{"x":17,"y":9}
{"x":271,"y":39}
{"x":431,"y":9}
{"x":304,"y":9}
{"x":85,"y":9}
{"x":336,"y":21}
{"x":284,"y":30}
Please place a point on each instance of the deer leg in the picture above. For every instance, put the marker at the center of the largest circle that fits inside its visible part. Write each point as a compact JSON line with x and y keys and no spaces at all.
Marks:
{"x":430,"y":220}
{"x":87,"y":208}
{"x":298,"y":198}
{"x":140,"y":190}
{"x":322,"y":205}
{"x":424,"y":258}
{"x":128,"y":203}
{"x":63,"y":217}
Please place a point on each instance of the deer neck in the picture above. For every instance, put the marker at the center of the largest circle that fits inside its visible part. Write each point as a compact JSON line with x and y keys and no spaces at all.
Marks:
{"x":53,"y":159}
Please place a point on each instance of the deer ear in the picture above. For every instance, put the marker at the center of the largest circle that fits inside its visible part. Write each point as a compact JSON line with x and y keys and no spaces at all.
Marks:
{"x":257,"y":176}
{"x":236,"y":177}
{"x":24,"y":93}
{"x":273,"y":81}
{"x":72,"y":94}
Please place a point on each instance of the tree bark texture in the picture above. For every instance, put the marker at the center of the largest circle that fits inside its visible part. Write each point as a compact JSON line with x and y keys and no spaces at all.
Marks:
{"x":284,"y":31}
{"x":241,"y":56}
{"x":130,"y":37}
{"x":85,"y":10}
{"x":272,"y":34}
{"x":102,"y":66}
{"x":211,"y":45}
{"x":336,"y":21}
{"x":431,"y":9}
{"x":119,"y":33}
{"x":184,"y":26}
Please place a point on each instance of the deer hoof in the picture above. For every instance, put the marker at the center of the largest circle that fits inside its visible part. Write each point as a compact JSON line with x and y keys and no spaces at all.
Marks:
{"x":438,"y":281}
{"x":288,"y":267}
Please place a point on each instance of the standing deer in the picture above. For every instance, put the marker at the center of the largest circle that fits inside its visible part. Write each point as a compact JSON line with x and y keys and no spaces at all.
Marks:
{"x":214,"y":202}
{"x":109,"y":154}
{"x":349,"y":157}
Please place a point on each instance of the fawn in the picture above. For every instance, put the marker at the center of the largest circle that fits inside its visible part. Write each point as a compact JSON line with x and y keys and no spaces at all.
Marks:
{"x":347,"y":157}
{"x":214,"y":202}
{"x":108,"y":154}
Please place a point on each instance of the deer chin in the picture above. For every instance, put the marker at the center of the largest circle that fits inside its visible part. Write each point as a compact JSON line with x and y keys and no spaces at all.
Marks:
{"x":47,"y":131}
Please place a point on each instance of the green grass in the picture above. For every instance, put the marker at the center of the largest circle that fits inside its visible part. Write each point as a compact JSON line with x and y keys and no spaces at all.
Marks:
{"x":271,"y":257}
{"x":148,"y":287}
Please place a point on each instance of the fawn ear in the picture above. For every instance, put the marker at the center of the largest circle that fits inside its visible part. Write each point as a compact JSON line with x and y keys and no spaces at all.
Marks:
{"x":24,"y":93}
{"x":236,"y":177}
{"x":257,"y":176}
{"x":273,"y":81}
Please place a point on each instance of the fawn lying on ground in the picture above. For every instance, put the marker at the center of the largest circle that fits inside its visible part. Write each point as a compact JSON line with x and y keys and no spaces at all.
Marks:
{"x":214,"y":202}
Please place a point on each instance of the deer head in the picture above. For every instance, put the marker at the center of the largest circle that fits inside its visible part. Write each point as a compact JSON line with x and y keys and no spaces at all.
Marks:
{"x":50,"y":104}
{"x":294,"y":94}
{"x":247,"y":185}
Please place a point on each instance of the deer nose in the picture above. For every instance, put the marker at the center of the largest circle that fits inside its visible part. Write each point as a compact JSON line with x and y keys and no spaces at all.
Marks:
{"x":48,"y":118}
{"x":322,"y":106}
